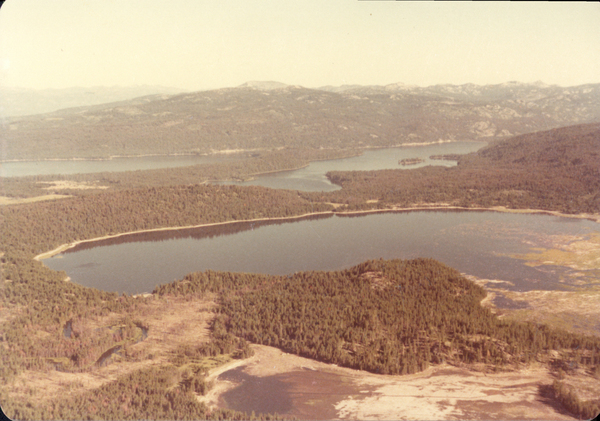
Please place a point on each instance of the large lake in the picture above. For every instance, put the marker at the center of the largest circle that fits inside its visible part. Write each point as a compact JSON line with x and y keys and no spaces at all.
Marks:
{"x":312,"y":178}
{"x":24,"y":168}
{"x":482,"y":244}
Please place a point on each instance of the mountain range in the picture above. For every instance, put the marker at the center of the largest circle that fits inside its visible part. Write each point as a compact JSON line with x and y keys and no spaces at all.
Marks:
{"x":270,"y":115}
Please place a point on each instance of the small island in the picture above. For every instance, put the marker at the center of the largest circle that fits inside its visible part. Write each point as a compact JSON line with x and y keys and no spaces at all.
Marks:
{"x":411,"y":161}
{"x":447,"y":157}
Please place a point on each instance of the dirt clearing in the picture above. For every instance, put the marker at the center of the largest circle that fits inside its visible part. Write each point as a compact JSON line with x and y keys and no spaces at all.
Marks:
{"x":315,"y":390}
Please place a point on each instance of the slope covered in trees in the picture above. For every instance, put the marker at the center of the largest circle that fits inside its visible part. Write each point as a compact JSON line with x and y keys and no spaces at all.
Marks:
{"x":38,"y":227}
{"x":551,"y":170}
{"x":389,"y":317}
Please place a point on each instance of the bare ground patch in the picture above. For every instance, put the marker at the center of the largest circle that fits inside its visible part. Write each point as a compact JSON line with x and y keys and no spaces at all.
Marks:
{"x":577,"y":311}
{"x":14,"y":201}
{"x":441,"y":392}
{"x":71,"y":185}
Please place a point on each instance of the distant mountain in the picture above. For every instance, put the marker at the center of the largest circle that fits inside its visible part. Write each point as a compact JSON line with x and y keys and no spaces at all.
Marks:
{"x":19,"y":101}
{"x":342,"y":88}
{"x":263,"y":86}
{"x":476,"y":93}
{"x":266,"y":115}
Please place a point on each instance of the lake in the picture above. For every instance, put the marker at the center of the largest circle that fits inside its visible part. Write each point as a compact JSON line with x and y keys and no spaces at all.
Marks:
{"x":312,"y":178}
{"x":24,"y":168}
{"x":483,"y":244}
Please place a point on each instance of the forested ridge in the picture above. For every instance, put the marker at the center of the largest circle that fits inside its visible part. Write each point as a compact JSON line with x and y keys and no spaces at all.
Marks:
{"x":41,"y":303}
{"x":293,"y":116}
{"x":389,"y":317}
{"x":552,"y":170}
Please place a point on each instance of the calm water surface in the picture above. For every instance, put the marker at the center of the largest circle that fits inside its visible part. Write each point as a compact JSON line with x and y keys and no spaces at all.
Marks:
{"x":476,"y":243}
{"x":312,"y":178}
{"x":20,"y":169}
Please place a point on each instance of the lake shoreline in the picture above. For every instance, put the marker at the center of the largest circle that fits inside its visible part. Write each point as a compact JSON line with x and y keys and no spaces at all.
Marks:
{"x":502,"y":209}
{"x":109,"y":158}
{"x":235,"y":151}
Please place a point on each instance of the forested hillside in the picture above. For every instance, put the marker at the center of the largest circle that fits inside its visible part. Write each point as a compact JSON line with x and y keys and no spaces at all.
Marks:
{"x":554,"y":170}
{"x":389,"y":317}
{"x":551,"y":170}
{"x":296,"y":117}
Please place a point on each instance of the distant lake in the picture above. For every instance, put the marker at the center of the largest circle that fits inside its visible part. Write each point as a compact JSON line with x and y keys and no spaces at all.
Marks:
{"x":24,"y":168}
{"x":476,"y":243}
{"x":312,"y":178}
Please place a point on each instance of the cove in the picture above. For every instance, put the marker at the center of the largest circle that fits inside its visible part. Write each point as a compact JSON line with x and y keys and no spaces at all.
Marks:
{"x":479,"y":243}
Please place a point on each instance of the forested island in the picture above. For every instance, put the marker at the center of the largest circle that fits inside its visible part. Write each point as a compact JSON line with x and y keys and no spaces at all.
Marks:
{"x":370,"y":317}
{"x":411,"y":161}
{"x":446,"y":157}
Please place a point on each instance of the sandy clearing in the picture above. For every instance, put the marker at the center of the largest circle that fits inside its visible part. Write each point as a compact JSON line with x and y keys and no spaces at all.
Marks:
{"x":211,"y":399}
{"x":452,"y":393}
{"x":13,"y":201}
{"x":441,"y":392}
{"x":68,"y":184}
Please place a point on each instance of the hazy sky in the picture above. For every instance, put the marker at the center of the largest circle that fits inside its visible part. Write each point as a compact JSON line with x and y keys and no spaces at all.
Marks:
{"x":206,"y":44}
